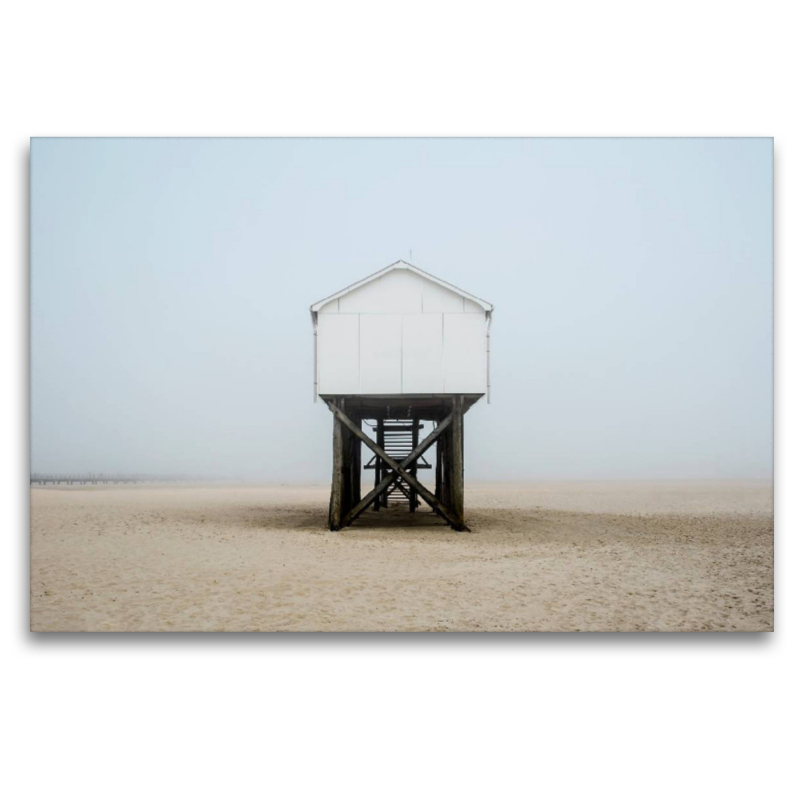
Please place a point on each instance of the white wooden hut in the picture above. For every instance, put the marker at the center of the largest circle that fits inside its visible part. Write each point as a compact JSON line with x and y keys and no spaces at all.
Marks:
{"x":401,"y":331}
{"x":399,"y":348}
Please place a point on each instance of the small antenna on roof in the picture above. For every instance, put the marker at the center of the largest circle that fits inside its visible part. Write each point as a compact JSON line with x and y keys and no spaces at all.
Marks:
{"x":410,"y":255}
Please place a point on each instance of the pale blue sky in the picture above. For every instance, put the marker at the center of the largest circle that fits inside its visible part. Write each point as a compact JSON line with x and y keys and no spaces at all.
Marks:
{"x":631,"y":278}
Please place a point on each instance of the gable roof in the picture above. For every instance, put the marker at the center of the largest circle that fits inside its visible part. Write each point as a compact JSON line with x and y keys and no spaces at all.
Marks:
{"x":487,"y":307}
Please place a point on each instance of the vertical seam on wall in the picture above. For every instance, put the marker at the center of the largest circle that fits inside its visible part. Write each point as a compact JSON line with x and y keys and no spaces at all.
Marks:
{"x":443,"y":381}
{"x":401,"y":354}
{"x":359,"y":353}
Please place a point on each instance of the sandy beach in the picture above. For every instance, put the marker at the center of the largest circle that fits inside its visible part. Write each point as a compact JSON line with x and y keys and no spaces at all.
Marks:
{"x":606,"y":556}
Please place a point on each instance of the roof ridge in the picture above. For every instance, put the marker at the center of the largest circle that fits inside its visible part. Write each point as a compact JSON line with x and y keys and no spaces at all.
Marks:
{"x":488,"y":307}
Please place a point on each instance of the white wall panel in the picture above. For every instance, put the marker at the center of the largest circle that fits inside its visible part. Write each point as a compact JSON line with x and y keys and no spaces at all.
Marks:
{"x":470,"y":307}
{"x":401,"y":334}
{"x":436,"y":298}
{"x":395,"y":293}
{"x":422,"y":354}
{"x":381,"y":353}
{"x":464,"y":353}
{"x":337,"y":353}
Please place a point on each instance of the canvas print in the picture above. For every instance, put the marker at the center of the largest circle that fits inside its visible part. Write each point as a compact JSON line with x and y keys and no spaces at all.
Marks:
{"x":401,"y":385}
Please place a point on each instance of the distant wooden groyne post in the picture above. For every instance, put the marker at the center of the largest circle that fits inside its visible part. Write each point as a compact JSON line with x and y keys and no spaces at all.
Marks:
{"x":84,"y":478}
{"x":394,"y":352}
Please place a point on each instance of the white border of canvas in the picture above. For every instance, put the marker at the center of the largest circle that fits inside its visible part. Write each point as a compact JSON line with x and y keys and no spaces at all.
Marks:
{"x":657,"y":716}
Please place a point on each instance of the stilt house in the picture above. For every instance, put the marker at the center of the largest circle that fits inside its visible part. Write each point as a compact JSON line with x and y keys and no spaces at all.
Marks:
{"x":399,"y":349}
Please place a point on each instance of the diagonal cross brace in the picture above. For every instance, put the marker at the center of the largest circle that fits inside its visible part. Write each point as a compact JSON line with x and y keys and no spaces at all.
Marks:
{"x":391,"y":477}
{"x":399,"y":470}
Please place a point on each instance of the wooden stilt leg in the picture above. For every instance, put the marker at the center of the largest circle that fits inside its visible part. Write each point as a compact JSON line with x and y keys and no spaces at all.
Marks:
{"x":337,"y":479}
{"x":355,"y":470}
{"x":457,"y":459}
{"x":438,"y":486}
{"x":447,"y":449}
{"x":347,"y":465}
{"x":384,"y":498}
{"x":378,"y":471}
{"x":412,"y":496}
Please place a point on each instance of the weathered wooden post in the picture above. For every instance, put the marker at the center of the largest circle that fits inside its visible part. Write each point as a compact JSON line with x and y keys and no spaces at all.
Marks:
{"x":337,"y":478}
{"x":354,"y":475}
{"x":379,"y":473}
{"x":457,"y":458}
{"x":412,"y":499}
{"x":439,"y":468}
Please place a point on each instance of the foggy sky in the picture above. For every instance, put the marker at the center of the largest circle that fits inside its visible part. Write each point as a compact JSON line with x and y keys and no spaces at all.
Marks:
{"x":631,"y":279}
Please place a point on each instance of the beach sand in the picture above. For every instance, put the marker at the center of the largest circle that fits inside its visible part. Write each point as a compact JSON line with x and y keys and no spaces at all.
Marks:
{"x":607,"y":556}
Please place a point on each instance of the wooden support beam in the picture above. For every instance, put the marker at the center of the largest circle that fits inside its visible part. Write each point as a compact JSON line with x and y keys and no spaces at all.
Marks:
{"x":335,"y":512}
{"x":457,"y":459}
{"x":378,"y":465}
{"x":446,"y":449}
{"x":438,"y":479}
{"x":419,"y":466}
{"x":385,"y":483}
{"x":348,"y":441}
{"x":412,"y":494}
{"x":430,"y":499}
{"x":355,"y":470}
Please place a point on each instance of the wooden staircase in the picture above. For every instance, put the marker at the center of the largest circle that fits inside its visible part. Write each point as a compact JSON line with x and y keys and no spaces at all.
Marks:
{"x":398,"y":437}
